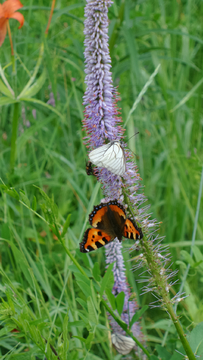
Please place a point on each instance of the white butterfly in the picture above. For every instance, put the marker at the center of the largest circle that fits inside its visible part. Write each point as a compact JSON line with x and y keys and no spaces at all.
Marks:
{"x":110,"y":156}
{"x":122,"y":344}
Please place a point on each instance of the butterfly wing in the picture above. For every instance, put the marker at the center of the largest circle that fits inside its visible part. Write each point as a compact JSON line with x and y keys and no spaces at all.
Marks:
{"x":122,"y":344}
{"x":94,"y":239}
{"x":110,"y":156}
{"x":131,"y":230}
{"x":109,"y":217}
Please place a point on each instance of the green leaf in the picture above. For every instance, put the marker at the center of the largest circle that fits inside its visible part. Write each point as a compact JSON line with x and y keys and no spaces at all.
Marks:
{"x":49,"y":207}
{"x":80,"y":338}
{"x":198,"y":256}
{"x":24,"y":198}
{"x":95,"y":298}
{"x":108,"y":279}
{"x":83,"y":304}
{"x":84,"y":287}
{"x":89,"y":340}
{"x":45,"y":105}
{"x":34,"y":203}
{"x":4,"y":90}
{"x":65,"y":336}
{"x":111,"y":298}
{"x":162,"y":352}
{"x":7,"y":101}
{"x":13,"y":193}
{"x":79,"y":323}
{"x":196,"y":339}
{"x":153,"y":357}
{"x":66,"y":225}
{"x":120,"y":298}
{"x":187,"y":257}
{"x":96,"y":271}
{"x":34,"y":89}
{"x":22,"y":263}
{"x":92,"y":313}
{"x":138,"y":314}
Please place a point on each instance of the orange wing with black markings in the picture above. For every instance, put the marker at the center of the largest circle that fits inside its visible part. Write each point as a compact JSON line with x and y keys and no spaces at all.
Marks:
{"x":109,"y":221}
{"x":131,"y":230}
{"x":94,"y":239}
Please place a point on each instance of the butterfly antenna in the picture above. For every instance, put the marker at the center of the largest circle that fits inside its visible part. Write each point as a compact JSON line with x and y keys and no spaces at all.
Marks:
{"x":131,"y":138}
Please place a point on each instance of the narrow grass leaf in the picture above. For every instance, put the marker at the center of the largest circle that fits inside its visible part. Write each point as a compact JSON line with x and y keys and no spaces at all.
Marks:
{"x":188,"y":96}
{"x":36,"y":69}
{"x":92,"y":313}
{"x":66,"y":225}
{"x":96,"y":271}
{"x":6,"y":101}
{"x":65,"y":336}
{"x":42,"y":103}
{"x":24,"y":198}
{"x":108,"y":279}
{"x":4,"y":90}
{"x":34,"y":203}
{"x":35,"y":88}
{"x":22,"y":263}
{"x":94,"y":297}
{"x":7,"y":83}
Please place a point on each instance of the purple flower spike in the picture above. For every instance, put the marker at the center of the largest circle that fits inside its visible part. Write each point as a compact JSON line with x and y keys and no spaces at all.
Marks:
{"x":101,"y":115}
{"x":114,"y":254}
{"x":102,"y":122}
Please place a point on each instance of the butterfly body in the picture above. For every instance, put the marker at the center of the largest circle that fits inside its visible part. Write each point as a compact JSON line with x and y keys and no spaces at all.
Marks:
{"x":108,"y":221}
{"x":89,"y":168}
{"x":110,"y":156}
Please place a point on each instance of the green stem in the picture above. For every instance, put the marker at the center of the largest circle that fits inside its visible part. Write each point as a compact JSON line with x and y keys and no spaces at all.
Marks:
{"x":14,"y":136}
{"x":123,"y":326}
{"x":155,"y":267}
{"x":181,"y":334}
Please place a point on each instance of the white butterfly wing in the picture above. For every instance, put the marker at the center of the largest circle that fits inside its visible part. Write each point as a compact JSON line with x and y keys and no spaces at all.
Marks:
{"x":122,"y":344}
{"x":96,"y":156}
{"x":110,"y":156}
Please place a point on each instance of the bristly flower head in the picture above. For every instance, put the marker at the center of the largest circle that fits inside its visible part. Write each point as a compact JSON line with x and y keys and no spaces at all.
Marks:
{"x":101,"y":116}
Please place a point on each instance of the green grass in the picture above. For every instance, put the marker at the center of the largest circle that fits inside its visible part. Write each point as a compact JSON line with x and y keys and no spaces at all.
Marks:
{"x":42,"y":291}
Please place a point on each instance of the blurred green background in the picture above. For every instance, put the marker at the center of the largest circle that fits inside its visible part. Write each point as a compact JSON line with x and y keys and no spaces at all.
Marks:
{"x":51,"y":155}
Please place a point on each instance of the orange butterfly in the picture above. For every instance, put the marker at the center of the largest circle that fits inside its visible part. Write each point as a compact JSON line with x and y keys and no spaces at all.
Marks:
{"x":108,"y":221}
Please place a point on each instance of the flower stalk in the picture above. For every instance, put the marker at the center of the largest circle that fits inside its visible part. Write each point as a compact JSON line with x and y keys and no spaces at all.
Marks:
{"x":50,"y":16}
{"x":14,"y":136}
{"x":103,"y":123}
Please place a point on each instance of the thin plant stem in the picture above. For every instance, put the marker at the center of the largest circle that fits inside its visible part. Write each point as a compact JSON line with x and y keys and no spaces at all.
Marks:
{"x":181,"y":333}
{"x":50,"y":16}
{"x":14,"y":136}
{"x":161,"y":284}
{"x":12,"y":50}
{"x":191,"y":252}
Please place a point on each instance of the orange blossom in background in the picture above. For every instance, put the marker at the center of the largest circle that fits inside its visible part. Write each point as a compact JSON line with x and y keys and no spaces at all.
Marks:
{"x":8,"y":11}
